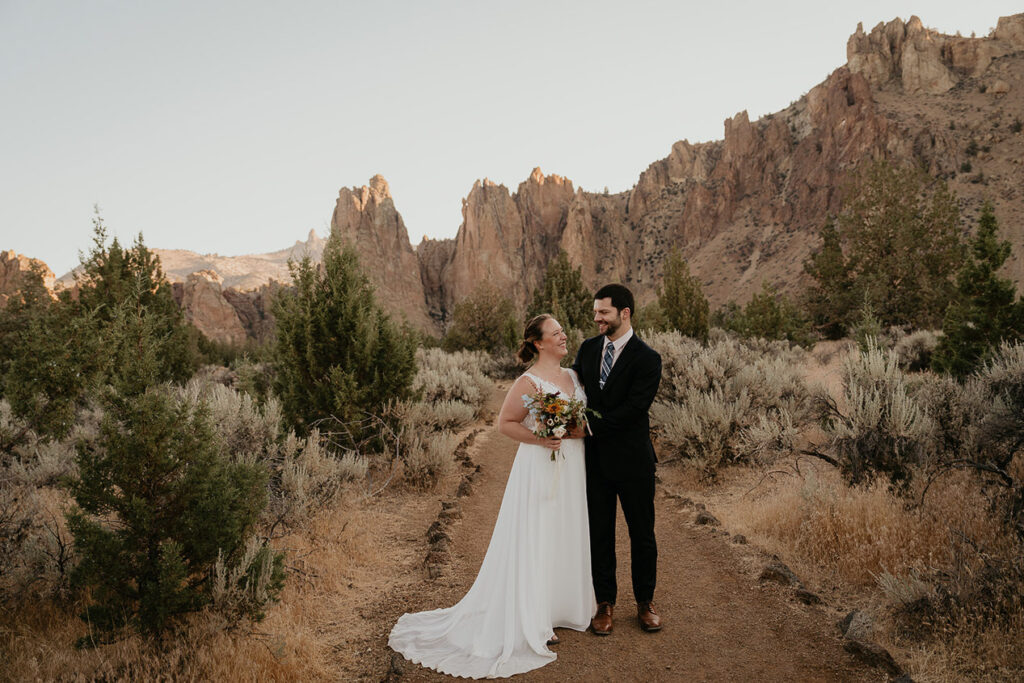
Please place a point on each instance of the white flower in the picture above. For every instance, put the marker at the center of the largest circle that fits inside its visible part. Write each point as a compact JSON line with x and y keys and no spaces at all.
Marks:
{"x":558,"y":432}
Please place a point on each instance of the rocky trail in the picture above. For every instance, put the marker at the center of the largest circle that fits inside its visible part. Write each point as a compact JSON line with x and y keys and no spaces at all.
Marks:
{"x":723,"y":621}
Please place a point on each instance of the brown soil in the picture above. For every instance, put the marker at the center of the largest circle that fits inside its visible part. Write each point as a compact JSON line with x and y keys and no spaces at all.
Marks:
{"x":720,"y":623}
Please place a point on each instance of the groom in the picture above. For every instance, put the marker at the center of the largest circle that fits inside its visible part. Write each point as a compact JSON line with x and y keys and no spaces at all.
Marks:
{"x":620,"y":375}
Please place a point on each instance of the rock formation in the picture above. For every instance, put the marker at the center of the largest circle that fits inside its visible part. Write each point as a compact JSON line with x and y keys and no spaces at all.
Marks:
{"x":13,"y":268}
{"x":743,"y":210}
{"x":202,"y":300}
{"x":366,"y":217}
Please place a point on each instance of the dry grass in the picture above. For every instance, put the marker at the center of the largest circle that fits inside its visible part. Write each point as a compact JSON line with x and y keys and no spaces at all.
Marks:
{"x":311,"y":634}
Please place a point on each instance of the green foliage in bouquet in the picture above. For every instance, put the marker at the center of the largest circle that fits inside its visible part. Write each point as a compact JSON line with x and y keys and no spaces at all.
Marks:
{"x":895,"y":245}
{"x":682,"y":300}
{"x":485,"y":320}
{"x":986,"y":310}
{"x":338,"y":355}
{"x":158,"y":506}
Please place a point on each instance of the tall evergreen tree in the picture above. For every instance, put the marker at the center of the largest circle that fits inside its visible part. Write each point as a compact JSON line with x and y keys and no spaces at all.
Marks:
{"x":110,"y":276}
{"x":50,"y":357}
{"x":896,"y":244}
{"x":986,"y":310}
{"x":682,"y":299}
{"x":563,"y":295}
{"x":338,"y":355}
{"x":830,"y":301}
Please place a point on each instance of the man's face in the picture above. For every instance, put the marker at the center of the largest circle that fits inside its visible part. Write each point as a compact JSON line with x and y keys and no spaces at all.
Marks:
{"x":607,"y":317}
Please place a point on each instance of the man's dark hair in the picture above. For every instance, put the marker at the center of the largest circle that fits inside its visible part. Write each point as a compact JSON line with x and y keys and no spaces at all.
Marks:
{"x":620,"y":296}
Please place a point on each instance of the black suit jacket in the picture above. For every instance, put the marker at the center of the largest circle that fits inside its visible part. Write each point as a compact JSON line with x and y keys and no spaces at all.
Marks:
{"x":620,"y":444}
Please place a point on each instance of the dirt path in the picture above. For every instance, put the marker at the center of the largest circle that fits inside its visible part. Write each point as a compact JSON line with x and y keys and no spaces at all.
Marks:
{"x":720,"y":623}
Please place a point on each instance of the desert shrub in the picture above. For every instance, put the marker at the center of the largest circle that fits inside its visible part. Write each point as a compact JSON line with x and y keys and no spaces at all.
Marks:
{"x":914,"y":351}
{"x":452,"y":376}
{"x":440,"y":416}
{"x":36,"y":552}
{"x":728,"y":402}
{"x":879,"y":428}
{"x":339,"y":357}
{"x":305,"y":474}
{"x":156,"y":505}
{"x":426,"y":456}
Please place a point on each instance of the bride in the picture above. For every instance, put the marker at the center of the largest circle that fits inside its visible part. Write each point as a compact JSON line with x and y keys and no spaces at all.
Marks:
{"x":535,"y":576}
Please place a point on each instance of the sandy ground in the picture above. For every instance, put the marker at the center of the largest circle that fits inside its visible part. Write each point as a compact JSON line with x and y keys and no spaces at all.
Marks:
{"x":721,"y":624}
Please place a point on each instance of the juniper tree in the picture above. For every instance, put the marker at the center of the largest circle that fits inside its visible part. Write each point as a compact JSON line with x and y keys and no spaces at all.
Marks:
{"x":895,"y":246}
{"x":682,"y":299}
{"x":158,"y":502}
{"x":485,"y":320}
{"x":830,"y":301}
{"x":986,"y":310}
{"x":563,"y":295}
{"x":338,"y":355}
{"x":110,"y":275}
{"x":51,"y":357}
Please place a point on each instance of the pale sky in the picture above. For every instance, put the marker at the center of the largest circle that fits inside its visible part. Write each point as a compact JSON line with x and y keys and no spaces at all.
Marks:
{"x":229,"y":127}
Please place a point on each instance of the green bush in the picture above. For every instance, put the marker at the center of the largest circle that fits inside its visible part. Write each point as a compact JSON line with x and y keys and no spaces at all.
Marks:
{"x":768,"y":315}
{"x":158,"y":506}
{"x":485,"y":320}
{"x":895,"y":246}
{"x":682,"y":299}
{"x":338,"y":356}
{"x":563,"y":295}
{"x":986,"y":310}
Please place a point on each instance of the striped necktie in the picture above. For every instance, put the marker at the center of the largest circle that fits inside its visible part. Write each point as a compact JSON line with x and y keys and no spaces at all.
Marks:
{"x":606,"y":363}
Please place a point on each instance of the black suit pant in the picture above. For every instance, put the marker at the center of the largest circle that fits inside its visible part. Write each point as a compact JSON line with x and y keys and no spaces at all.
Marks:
{"x":637,"y":499}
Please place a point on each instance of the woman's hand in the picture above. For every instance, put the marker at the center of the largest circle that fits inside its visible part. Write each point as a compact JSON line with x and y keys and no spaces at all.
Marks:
{"x":552,"y":443}
{"x":577,"y":432}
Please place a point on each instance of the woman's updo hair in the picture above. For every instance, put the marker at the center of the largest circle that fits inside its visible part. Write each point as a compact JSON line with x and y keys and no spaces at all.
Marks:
{"x":527,"y":348}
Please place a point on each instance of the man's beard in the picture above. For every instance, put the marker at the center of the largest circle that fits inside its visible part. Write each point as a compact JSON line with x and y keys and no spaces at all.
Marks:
{"x":613,"y":327}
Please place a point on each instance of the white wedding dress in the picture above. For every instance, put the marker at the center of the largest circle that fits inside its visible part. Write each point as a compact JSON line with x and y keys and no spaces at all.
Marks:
{"x":534,"y":577}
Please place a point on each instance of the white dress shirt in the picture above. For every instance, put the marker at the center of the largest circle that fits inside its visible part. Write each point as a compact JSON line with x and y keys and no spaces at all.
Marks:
{"x":619,"y":344}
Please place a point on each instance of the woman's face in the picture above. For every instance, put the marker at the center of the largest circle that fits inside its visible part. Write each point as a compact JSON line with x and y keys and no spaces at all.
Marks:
{"x":553,"y":339}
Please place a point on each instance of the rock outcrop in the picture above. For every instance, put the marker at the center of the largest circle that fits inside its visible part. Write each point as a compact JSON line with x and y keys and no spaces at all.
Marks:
{"x":924,"y":61}
{"x":742,"y":210}
{"x":366,"y":217}
{"x":203,"y":302}
{"x":12,"y":271}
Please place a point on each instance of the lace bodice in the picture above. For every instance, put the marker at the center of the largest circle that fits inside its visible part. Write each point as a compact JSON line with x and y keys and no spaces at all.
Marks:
{"x":551,"y":387}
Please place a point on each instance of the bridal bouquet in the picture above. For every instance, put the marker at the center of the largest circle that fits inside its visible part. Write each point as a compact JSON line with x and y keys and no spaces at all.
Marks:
{"x":554,"y":416}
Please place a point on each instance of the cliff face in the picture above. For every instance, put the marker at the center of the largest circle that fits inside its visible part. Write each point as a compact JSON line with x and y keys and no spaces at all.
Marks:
{"x":366,"y":217}
{"x":742,"y":210}
{"x":13,"y":268}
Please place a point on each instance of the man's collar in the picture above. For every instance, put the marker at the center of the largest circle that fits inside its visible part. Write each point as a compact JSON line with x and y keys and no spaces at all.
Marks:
{"x":621,"y":341}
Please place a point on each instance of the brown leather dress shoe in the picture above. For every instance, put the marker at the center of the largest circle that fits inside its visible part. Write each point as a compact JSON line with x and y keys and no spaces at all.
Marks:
{"x":649,"y":619}
{"x":601,"y":624}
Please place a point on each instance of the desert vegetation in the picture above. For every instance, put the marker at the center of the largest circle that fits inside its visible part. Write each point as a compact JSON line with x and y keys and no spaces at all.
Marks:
{"x":166,"y":502}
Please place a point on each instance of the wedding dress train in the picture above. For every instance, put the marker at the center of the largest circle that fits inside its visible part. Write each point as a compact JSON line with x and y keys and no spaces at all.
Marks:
{"x":535,"y":575}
